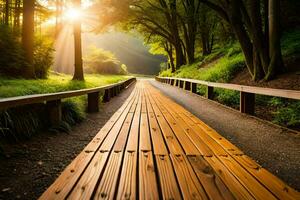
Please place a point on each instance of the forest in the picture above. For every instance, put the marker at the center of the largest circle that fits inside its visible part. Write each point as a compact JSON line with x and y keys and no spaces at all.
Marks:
{"x":103,"y":71}
{"x":238,"y":41}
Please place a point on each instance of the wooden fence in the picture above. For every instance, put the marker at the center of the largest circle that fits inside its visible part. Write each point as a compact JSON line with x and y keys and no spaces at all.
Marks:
{"x":247,"y":93}
{"x":53,"y":100}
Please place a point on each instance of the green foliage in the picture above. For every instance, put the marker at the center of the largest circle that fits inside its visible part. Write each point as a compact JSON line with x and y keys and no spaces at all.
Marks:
{"x":43,"y":56}
{"x":228,"y":97}
{"x":12,"y":58}
{"x":73,"y":110}
{"x":166,"y":73}
{"x":289,"y":115}
{"x":290,"y":44}
{"x":22,"y":122}
{"x":102,"y":62}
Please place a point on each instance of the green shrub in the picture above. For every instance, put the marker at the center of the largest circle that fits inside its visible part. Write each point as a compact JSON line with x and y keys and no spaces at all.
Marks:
{"x":228,"y":97}
{"x":73,"y":110}
{"x":102,"y":62}
{"x":22,"y":122}
{"x":11,"y":53}
{"x":43,"y":56}
{"x":289,"y":115}
{"x":166,"y":73}
{"x":290,"y":44}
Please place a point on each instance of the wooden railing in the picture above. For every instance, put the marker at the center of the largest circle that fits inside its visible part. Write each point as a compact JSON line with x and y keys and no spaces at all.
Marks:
{"x":53,"y":100}
{"x":247,"y":93}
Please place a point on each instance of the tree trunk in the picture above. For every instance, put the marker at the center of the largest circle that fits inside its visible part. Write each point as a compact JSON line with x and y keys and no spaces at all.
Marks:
{"x":28,"y":36}
{"x":180,"y":59}
{"x":17,"y":15}
{"x":242,"y":36}
{"x":6,"y":20}
{"x":78,"y":72}
{"x":276,"y":63}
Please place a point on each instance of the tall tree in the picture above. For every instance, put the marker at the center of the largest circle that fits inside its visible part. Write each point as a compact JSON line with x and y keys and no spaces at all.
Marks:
{"x":78,"y":72}
{"x":28,"y":36}
{"x":190,"y":26}
{"x":261,"y":46}
{"x":7,"y":5}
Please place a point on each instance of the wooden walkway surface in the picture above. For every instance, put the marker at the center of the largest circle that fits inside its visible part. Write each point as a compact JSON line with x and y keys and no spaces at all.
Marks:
{"x":152,"y":148}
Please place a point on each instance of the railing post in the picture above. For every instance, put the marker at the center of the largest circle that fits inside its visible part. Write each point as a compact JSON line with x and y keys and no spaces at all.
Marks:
{"x":181,"y":84}
{"x":247,"y":103}
{"x":93,"y":102}
{"x":172,"y":82}
{"x":187,"y":85}
{"x":194,"y":88}
{"x":209,"y":92}
{"x":106,"y":96}
{"x":54,"y":112}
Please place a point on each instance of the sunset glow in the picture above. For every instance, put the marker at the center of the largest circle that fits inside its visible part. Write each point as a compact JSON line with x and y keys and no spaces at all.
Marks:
{"x":73,"y":14}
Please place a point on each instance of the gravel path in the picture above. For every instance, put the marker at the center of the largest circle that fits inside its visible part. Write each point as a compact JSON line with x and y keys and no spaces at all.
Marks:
{"x":273,"y":147}
{"x":32,"y":166}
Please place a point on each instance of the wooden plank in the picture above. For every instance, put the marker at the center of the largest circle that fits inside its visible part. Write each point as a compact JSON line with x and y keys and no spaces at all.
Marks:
{"x":132,"y":143}
{"x":122,"y":137}
{"x":66,"y":181}
{"x":171,"y":140}
{"x":85,"y":187}
{"x":238,"y":190}
{"x":167,"y":179}
{"x":108,"y":182}
{"x":211,"y":143}
{"x":202,"y":148}
{"x":148,"y":188}
{"x":187,"y":144}
{"x":128,"y":184}
{"x":213,"y":185}
{"x":228,"y":146}
{"x":274,"y":184}
{"x":145,"y":142}
{"x":190,"y":186}
{"x":203,"y":138}
{"x":159,"y":146}
{"x":257,"y":190}
{"x":111,"y":138}
{"x":128,"y":180}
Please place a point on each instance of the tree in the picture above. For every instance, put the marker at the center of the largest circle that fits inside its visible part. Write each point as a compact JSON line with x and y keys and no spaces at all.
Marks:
{"x":258,"y":36}
{"x":152,"y":18}
{"x":78,"y":72}
{"x":28,"y":37}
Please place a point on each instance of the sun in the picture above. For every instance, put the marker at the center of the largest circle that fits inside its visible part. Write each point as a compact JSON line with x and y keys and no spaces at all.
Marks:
{"x":73,"y":14}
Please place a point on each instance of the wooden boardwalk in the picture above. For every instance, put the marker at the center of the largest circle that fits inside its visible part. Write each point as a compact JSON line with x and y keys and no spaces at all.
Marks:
{"x":152,"y":148}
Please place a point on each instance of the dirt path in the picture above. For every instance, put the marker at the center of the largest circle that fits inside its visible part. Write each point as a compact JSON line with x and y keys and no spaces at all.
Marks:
{"x":30,"y":167}
{"x":276,"y":149}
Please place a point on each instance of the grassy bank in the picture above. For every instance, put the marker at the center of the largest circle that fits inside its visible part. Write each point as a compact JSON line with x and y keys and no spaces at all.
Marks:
{"x":22,"y":122}
{"x":226,"y":62}
{"x":54,"y":83}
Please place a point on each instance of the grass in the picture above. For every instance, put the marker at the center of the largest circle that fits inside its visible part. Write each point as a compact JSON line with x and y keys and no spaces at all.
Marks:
{"x":224,"y":69}
{"x":54,"y":83}
{"x":23,"y":122}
